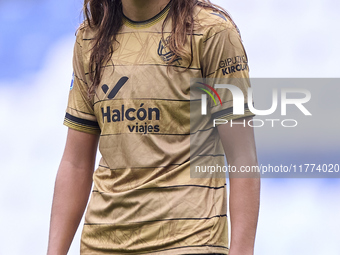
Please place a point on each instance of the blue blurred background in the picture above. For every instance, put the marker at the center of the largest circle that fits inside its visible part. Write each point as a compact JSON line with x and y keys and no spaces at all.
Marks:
{"x":297,"y":38}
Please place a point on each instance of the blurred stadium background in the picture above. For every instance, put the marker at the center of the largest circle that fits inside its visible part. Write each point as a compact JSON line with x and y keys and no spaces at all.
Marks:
{"x":283,"y":39}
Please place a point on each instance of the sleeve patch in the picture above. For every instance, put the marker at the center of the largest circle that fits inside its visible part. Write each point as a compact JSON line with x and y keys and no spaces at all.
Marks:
{"x":72,"y":81}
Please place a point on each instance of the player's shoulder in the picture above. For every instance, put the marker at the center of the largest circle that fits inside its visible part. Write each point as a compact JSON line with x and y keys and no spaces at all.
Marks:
{"x":84,"y":34}
{"x":210,"y":21}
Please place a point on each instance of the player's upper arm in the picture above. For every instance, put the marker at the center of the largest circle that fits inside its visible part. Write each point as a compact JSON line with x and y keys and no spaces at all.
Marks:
{"x":238,"y":142}
{"x":80,"y":150}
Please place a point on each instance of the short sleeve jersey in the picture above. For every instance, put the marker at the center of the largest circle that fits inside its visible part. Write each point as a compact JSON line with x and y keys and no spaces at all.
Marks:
{"x":143,"y":199}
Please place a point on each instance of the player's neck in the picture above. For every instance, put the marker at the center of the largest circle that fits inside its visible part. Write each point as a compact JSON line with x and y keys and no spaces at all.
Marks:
{"x":140,"y":10}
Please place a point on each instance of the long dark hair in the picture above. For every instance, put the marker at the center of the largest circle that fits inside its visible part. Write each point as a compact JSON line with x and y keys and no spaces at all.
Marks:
{"x":106,"y":18}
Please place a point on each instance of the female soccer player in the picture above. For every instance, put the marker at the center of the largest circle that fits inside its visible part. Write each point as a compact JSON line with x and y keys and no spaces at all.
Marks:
{"x":133,"y":61}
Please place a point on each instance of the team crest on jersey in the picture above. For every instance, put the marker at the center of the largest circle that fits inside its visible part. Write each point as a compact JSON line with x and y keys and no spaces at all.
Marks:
{"x":165,"y":53}
{"x":72,"y":81}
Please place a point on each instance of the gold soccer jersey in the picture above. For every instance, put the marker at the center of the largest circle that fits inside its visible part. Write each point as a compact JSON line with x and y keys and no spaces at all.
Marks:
{"x":143,"y":200}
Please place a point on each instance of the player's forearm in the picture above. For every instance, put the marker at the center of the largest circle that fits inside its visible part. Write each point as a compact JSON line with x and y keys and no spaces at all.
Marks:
{"x":71,"y":194}
{"x":244,"y":209}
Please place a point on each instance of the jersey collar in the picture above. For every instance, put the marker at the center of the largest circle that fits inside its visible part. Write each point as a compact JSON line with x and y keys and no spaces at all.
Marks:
{"x":150,"y":22}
